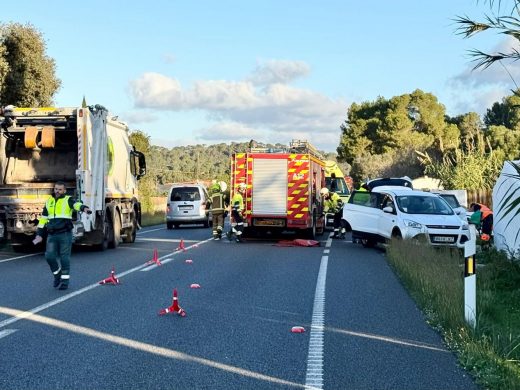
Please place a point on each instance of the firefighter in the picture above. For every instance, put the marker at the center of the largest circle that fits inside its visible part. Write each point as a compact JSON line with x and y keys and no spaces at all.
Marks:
{"x":218,"y":207}
{"x":237,"y":208}
{"x":482,"y":217}
{"x":332,"y":203}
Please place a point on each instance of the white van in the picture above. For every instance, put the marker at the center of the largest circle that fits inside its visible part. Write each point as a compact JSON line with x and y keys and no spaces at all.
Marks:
{"x":188,"y":204}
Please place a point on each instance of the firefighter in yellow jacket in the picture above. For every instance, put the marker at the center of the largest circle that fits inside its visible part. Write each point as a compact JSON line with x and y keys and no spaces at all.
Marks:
{"x":218,"y":207}
{"x":332,"y":203}
{"x":237,"y":208}
{"x":56,"y":220}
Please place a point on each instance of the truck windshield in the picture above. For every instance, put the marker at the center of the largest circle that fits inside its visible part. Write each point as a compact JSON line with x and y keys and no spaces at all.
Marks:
{"x":337,"y":185}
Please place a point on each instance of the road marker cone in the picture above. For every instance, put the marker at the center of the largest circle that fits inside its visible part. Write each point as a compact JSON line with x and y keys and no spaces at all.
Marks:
{"x":155,"y":259}
{"x":188,"y":261}
{"x":111,"y":279}
{"x":297,"y":329}
{"x":174,"y":308}
{"x":181,"y":246}
{"x":195,"y":285}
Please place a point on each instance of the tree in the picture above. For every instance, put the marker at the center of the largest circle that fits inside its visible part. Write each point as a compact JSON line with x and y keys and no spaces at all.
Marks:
{"x":147,"y":184}
{"x":27,"y":74}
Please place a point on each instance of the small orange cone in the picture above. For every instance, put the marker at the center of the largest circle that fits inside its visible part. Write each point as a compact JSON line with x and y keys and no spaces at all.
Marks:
{"x":155,"y":259}
{"x":111,"y":279}
{"x":181,"y":246}
{"x":174,"y":308}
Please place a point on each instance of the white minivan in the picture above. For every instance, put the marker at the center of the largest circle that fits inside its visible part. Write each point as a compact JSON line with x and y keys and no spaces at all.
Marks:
{"x":395,"y":212}
{"x":188,"y":204}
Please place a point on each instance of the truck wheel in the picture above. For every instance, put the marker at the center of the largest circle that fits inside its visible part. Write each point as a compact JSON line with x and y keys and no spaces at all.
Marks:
{"x":116,"y":231}
{"x":131,"y":232}
{"x":107,"y":232}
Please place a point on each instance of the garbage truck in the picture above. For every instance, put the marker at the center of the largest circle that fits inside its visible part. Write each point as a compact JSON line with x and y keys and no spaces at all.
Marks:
{"x":86,"y":148}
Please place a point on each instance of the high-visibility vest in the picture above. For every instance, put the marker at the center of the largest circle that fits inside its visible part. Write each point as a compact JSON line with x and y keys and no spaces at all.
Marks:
{"x":332,"y":203}
{"x":237,"y":198}
{"x":485,"y":210}
{"x":217,"y":203}
{"x":58,"y":208}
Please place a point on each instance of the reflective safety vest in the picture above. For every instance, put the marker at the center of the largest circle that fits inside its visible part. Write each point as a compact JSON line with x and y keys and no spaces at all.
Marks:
{"x":484,"y":210}
{"x":237,"y":202}
{"x":217,"y":203}
{"x":331,"y":204}
{"x":58,"y":208}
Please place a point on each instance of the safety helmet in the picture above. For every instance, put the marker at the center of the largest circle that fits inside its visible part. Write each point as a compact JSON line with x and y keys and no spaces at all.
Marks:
{"x":242,"y":186}
{"x":324,"y":191}
{"x":223,"y":186}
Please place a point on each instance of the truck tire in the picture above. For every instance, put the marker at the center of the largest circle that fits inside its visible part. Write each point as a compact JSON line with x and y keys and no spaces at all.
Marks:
{"x":107,"y":233}
{"x":116,"y":231}
{"x":131,"y":232}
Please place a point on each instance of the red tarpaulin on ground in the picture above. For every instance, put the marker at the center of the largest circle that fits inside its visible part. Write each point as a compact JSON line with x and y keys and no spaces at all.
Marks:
{"x":298,"y":242}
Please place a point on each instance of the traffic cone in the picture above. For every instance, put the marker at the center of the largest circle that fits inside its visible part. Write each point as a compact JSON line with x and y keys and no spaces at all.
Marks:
{"x":174,"y":308}
{"x":155,"y":259}
{"x":181,"y":246}
{"x":111,"y":279}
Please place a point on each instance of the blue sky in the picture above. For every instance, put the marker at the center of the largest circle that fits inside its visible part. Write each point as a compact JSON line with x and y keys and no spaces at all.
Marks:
{"x":206,"y":72}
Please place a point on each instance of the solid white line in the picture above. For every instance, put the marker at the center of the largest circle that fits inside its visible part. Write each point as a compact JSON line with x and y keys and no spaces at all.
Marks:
{"x":326,"y":251}
{"x":149,"y":231}
{"x":64,"y":298}
{"x":7,"y":332}
{"x":21,"y":257}
{"x":314,"y":374}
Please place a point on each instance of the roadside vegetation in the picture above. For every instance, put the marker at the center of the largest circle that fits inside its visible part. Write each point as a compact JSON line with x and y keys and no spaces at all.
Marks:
{"x":435,"y":280}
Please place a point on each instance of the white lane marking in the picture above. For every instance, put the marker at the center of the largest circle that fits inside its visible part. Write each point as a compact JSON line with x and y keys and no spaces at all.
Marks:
{"x":166,"y":240}
{"x":314,"y":374}
{"x":326,"y":251}
{"x":64,"y":298}
{"x":149,"y":231}
{"x":169,"y":257}
{"x":21,"y":257}
{"x":7,"y":332}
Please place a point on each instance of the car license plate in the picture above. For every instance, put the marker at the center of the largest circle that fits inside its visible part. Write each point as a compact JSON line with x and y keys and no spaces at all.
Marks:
{"x":186,"y":207}
{"x":443,"y":239}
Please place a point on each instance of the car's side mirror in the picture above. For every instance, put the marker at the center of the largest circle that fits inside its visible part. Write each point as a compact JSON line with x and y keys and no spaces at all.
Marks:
{"x":458,"y":212}
{"x":388,"y":209}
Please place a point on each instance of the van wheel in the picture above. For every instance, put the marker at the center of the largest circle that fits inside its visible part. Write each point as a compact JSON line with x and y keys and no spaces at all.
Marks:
{"x":206,"y":222}
{"x":176,"y":225}
{"x":169,"y":225}
{"x":368,"y":243}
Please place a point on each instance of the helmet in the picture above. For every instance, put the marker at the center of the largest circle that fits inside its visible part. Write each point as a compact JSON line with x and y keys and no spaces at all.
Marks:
{"x":242,"y":186}
{"x":223,"y":186}
{"x":324,"y":191}
{"x":214,"y":188}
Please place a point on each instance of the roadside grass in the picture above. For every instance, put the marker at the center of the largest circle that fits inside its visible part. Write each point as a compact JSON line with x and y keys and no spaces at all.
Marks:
{"x":153,"y":218}
{"x":435,"y":279}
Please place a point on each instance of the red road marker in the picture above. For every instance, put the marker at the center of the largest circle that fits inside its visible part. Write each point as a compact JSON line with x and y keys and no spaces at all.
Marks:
{"x":195,"y":285}
{"x":298,"y":329}
{"x":155,"y":259}
{"x":174,"y":308}
{"x":111,"y":279}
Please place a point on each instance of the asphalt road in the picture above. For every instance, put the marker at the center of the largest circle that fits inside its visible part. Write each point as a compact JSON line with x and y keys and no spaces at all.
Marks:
{"x":362,"y":330}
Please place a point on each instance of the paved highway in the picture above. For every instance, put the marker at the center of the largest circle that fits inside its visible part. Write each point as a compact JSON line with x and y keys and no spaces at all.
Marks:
{"x":362,"y":330}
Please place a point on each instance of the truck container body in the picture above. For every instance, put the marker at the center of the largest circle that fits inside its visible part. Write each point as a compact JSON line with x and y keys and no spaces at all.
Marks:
{"x":87,"y":150}
{"x":283,"y":190}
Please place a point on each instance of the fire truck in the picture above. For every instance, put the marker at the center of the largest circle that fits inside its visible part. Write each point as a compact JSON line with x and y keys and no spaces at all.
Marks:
{"x":86,"y":148}
{"x":283,"y":188}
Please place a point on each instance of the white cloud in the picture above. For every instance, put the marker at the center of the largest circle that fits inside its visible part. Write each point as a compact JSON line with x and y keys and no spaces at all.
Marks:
{"x":255,"y":108}
{"x":278,"y":71}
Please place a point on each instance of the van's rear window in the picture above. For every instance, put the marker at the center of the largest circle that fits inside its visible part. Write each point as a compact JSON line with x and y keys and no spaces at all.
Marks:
{"x":186,"y":194}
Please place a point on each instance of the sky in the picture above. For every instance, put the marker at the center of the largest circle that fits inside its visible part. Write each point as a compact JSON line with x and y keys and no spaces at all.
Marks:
{"x":206,"y":72}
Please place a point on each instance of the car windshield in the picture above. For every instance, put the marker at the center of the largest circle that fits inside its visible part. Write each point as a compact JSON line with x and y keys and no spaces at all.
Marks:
{"x":397,"y":181}
{"x":186,"y":194}
{"x":451,"y":199}
{"x":337,"y":185}
{"x":418,"y":204}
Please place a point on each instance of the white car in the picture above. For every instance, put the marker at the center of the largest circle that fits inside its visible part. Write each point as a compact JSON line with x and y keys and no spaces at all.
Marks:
{"x":395,"y":212}
{"x":454,"y":203}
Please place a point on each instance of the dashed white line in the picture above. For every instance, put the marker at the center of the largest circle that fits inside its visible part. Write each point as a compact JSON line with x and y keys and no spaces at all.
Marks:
{"x":7,"y":332}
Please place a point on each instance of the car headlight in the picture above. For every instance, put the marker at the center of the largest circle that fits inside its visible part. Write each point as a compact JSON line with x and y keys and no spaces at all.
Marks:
{"x":412,"y":224}
{"x":465,"y":226}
